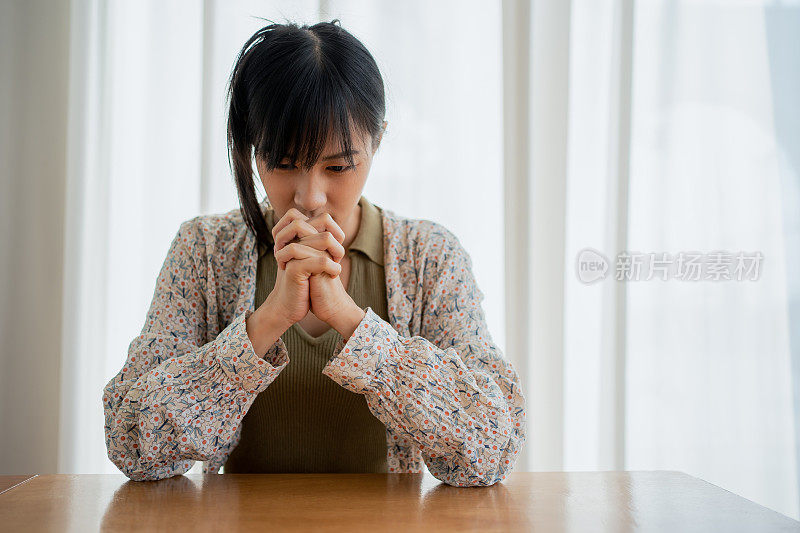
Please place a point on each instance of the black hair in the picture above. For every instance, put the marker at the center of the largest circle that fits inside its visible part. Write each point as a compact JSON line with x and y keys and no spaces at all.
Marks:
{"x":291,"y":88}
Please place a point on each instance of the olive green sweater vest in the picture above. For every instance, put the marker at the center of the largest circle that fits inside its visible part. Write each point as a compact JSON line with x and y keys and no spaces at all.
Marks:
{"x":304,"y":421}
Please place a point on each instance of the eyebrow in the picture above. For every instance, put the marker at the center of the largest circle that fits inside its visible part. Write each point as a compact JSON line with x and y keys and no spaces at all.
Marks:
{"x":340,"y":154}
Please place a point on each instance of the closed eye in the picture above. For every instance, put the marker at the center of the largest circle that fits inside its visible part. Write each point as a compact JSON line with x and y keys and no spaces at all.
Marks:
{"x":341,"y":168}
{"x":336,"y":169}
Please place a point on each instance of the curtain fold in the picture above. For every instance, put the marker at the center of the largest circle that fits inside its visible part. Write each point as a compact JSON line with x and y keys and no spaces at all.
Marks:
{"x":782,"y":23}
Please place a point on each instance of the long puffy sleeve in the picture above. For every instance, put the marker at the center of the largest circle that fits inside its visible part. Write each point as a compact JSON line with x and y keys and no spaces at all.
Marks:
{"x":179,"y":399}
{"x":448,"y":390}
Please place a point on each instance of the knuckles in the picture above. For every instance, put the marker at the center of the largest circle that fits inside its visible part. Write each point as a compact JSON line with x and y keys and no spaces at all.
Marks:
{"x":295,"y":213}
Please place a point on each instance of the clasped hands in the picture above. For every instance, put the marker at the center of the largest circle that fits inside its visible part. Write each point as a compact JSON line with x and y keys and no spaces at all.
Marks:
{"x":317,"y":244}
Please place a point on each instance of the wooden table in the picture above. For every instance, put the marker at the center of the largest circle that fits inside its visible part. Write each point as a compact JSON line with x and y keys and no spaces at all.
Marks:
{"x":541,"y":501}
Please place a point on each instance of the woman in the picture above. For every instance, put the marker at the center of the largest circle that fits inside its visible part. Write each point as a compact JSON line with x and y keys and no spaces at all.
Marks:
{"x":314,"y":332}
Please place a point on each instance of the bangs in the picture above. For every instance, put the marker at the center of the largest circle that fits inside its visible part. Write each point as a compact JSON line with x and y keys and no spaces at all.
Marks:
{"x":315,"y":110}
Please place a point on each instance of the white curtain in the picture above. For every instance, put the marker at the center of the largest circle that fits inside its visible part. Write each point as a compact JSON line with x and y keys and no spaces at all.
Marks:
{"x":657,"y":126}
{"x":533,"y":130}
{"x":683,"y":120}
{"x":707,"y":156}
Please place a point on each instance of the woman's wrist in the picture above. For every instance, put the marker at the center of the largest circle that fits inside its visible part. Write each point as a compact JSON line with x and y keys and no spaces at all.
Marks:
{"x":264,"y":328}
{"x":348,"y":321}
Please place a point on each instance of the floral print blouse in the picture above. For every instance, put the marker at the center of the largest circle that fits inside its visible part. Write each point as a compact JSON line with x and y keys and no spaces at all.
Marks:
{"x":431,"y":374}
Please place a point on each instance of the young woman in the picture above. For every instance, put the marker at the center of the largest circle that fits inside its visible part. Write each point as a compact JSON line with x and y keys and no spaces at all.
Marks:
{"x":313,"y":331}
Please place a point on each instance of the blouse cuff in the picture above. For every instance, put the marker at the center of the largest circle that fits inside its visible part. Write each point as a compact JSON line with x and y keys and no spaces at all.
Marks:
{"x":236,"y":356}
{"x":357,"y":363}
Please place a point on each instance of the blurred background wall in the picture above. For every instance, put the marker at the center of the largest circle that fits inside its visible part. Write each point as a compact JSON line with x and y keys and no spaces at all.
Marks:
{"x":34,"y":62}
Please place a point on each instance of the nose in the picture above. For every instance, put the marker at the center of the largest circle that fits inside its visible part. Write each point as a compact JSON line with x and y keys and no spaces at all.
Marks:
{"x":310,"y":195}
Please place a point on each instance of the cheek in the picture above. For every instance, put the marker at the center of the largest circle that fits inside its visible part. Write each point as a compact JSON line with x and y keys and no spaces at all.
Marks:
{"x":279,"y":192}
{"x":360,"y":174}
{"x":349,"y":187}
{"x":277,"y":187}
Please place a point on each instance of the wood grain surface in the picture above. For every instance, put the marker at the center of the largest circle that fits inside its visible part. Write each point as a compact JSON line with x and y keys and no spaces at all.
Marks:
{"x":542,"y":501}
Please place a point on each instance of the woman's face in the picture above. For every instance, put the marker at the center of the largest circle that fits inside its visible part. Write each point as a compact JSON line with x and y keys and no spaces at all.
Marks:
{"x":330,"y":186}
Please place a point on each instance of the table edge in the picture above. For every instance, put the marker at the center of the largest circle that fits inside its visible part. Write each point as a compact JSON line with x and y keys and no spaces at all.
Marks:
{"x":12,"y":487}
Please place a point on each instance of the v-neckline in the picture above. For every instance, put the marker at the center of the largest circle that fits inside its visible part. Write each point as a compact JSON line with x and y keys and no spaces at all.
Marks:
{"x":331,"y":330}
